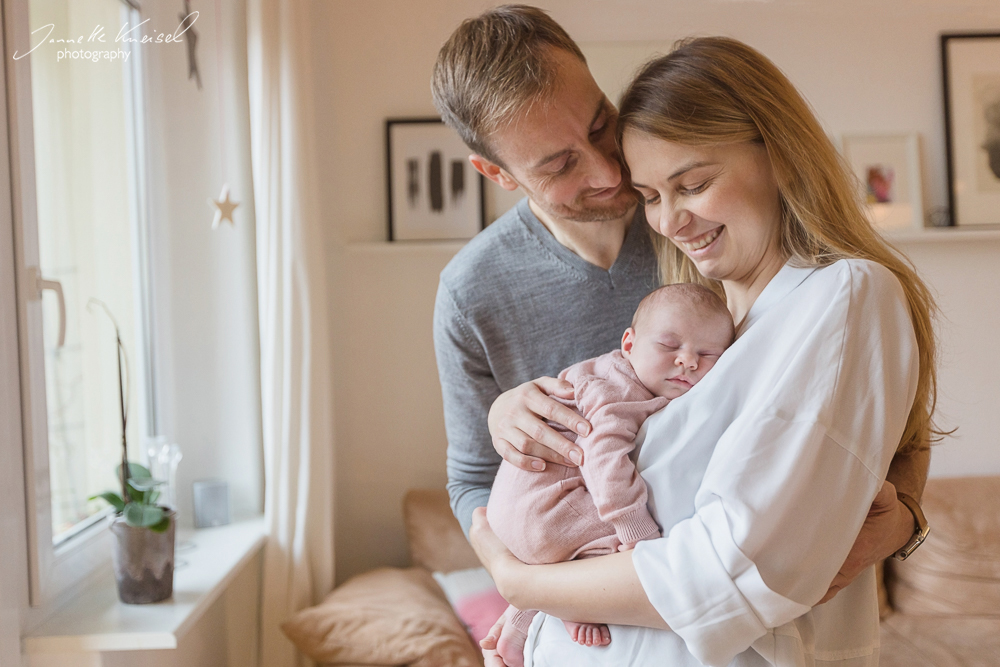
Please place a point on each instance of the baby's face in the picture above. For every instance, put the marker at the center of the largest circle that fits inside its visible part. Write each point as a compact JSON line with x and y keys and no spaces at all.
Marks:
{"x":673,"y":346}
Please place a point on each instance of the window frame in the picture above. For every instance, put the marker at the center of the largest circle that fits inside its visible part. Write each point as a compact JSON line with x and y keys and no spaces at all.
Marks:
{"x":56,"y":572}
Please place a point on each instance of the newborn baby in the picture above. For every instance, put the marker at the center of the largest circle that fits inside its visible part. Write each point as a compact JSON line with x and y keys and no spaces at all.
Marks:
{"x":678,"y":333}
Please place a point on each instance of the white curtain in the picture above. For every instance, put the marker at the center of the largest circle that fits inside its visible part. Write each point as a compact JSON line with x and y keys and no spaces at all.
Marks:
{"x":294,"y":336}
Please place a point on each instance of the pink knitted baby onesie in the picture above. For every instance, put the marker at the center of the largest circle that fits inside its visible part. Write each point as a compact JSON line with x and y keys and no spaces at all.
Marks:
{"x":564,"y":513}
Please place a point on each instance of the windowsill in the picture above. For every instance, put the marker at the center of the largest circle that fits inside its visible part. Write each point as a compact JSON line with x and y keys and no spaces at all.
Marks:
{"x":96,"y":621}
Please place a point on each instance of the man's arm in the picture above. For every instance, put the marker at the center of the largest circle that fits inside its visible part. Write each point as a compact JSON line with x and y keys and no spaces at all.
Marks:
{"x":908,"y":473}
{"x":468,"y":389}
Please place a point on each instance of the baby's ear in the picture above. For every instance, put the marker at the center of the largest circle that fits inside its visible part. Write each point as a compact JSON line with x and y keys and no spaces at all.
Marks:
{"x":628,"y":341}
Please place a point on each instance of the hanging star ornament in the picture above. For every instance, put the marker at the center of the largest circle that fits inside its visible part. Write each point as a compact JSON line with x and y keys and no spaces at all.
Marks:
{"x":224,"y":207}
{"x":191,"y":41}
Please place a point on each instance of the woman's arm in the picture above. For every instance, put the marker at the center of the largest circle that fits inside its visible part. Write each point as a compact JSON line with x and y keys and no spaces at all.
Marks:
{"x":515,"y":414}
{"x":889,"y":525}
{"x":593,"y":590}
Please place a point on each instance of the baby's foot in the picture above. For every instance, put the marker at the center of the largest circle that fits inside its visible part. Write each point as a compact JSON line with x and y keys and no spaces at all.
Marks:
{"x":510,"y":645}
{"x":588,"y":634}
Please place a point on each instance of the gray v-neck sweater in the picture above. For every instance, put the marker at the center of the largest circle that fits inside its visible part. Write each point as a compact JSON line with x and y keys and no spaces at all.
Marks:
{"x":514,"y":305}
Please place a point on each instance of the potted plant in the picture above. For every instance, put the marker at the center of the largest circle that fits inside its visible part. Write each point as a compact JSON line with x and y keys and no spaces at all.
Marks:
{"x":143,"y":556}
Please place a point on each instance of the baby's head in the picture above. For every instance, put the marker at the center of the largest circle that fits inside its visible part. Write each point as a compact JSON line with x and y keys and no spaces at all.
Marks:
{"x":678,"y":333}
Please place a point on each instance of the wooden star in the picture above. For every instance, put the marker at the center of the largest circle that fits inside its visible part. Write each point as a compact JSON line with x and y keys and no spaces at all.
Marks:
{"x":224,"y":207}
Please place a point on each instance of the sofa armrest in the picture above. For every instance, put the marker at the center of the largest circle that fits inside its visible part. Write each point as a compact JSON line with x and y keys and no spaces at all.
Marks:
{"x":956,"y":572}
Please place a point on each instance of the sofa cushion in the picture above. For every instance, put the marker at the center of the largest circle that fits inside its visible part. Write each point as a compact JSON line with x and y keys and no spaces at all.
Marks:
{"x":436,"y":540}
{"x":384,"y":617}
{"x":475,"y":599}
{"x":940,"y":641}
{"x":957,"y":570}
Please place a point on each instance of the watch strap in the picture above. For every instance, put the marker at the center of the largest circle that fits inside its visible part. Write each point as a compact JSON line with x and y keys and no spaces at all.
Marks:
{"x":922,"y":531}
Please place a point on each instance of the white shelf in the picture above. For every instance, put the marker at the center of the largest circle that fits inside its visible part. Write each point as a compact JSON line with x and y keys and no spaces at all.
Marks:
{"x":406,"y":246}
{"x":944,"y":235}
{"x":96,"y":621}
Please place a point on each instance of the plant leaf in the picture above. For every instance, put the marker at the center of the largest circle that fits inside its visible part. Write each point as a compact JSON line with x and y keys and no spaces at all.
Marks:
{"x":153,"y":497}
{"x":145,"y":483}
{"x":162,"y":526}
{"x":112,"y":498}
{"x":135,"y":495}
{"x":142,"y":516}
{"x":135,"y":471}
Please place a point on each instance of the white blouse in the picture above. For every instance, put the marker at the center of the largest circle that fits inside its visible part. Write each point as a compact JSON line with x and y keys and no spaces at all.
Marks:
{"x":761,"y":477}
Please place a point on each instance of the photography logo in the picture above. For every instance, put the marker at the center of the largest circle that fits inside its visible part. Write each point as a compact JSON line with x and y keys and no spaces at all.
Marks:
{"x":98,"y":46}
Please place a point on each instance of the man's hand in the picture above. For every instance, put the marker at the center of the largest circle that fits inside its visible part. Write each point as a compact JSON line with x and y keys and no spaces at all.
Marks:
{"x":520,"y":434}
{"x":887,"y":528}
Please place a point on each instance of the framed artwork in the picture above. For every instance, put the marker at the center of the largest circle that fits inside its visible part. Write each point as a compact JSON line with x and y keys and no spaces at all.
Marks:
{"x":971,"y":64}
{"x":888,"y":167}
{"x":435,"y":194}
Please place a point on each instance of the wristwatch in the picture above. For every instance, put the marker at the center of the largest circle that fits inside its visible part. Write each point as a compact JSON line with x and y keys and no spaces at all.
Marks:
{"x":923,"y":530}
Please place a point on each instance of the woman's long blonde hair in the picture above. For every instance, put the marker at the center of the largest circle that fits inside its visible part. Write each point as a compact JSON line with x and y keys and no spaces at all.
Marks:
{"x":716,"y":90}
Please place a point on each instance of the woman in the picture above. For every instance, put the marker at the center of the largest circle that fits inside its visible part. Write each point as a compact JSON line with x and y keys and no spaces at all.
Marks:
{"x":763,"y":473}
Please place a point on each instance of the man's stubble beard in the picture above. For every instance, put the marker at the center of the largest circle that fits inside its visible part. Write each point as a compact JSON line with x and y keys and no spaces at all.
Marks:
{"x":579,"y":212}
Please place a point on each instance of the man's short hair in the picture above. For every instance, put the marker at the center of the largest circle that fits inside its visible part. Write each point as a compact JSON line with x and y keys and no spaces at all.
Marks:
{"x":492,"y":67}
{"x":698,"y":296}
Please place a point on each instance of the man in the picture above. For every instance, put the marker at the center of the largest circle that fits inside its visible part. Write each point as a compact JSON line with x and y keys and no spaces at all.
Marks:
{"x":556,"y":279}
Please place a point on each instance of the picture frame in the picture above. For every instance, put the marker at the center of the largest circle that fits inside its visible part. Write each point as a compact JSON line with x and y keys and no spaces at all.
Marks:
{"x":888,"y":167}
{"x":971,"y":74}
{"x":434,"y":192}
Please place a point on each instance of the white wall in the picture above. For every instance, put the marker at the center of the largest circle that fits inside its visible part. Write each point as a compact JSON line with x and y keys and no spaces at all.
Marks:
{"x":865,"y":67}
{"x":965,"y":277}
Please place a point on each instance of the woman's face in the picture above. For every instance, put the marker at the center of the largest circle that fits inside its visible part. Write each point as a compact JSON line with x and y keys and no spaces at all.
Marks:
{"x":718,"y":204}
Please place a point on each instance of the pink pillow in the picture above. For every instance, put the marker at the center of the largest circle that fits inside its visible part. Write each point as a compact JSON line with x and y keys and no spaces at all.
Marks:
{"x":474,"y":598}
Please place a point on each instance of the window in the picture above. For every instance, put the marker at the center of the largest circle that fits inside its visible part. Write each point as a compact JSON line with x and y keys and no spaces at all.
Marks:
{"x":81,"y":223}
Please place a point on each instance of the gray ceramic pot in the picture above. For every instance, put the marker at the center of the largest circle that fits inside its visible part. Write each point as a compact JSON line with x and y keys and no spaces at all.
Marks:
{"x":143,"y":561}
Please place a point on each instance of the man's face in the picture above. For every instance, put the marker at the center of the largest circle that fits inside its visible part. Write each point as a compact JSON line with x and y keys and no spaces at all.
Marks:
{"x":562,"y":149}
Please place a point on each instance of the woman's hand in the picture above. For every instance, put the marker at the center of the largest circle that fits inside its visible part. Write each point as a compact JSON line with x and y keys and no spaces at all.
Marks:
{"x":887,"y":527}
{"x":495,"y":557}
{"x":520,"y":434}
{"x":498,"y":561}
{"x":489,"y":644}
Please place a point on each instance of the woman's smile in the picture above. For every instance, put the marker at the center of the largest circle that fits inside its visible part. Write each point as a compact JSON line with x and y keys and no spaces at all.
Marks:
{"x":701,"y":242}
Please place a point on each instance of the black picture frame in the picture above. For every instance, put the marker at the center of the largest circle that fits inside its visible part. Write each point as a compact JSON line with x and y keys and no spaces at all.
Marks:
{"x":433,"y":191}
{"x":969,"y":196}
